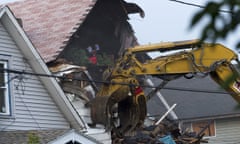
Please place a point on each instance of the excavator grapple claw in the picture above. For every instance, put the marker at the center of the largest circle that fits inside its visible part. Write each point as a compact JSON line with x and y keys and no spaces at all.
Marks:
{"x":121,"y":114}
{"x":120,"y":104}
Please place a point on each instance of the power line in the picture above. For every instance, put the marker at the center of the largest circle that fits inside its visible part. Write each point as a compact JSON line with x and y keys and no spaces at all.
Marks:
{"x":199,"y":6}
{"x":108,"y":82}
{"x":194,"y":90}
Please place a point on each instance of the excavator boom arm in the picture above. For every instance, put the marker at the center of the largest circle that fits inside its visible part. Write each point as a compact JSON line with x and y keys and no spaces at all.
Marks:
{"x":124,"y":96}
{"x":197,"y":58}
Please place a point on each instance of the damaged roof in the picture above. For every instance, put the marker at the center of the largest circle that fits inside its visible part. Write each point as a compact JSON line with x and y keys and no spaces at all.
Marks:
{"x":29,"y":53}
{"x":50,"y":24}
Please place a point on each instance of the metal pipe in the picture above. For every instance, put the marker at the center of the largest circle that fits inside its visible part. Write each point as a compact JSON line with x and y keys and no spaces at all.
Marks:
{"x":162,"y":99}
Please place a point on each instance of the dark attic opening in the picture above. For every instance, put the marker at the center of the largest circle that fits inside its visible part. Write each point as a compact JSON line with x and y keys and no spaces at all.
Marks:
{"x":102,"y":36}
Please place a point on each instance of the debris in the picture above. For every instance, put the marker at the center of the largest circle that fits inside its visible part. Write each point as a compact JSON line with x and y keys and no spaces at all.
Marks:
{"x":76,"y":80}
{"x":162,"y":132}
{"x":166,"y":132}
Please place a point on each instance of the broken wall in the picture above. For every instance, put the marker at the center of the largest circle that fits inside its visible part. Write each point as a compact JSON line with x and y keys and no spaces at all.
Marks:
{"x":101,"y":38}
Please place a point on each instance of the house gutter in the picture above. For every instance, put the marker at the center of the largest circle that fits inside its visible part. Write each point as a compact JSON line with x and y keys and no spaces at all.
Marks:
{"x":209,"y":118}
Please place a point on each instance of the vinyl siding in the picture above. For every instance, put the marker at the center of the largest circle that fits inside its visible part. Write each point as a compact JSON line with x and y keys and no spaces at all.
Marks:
{"x":33,"y":107}
{"x":98,"y":133}
{"x":227,"y":131}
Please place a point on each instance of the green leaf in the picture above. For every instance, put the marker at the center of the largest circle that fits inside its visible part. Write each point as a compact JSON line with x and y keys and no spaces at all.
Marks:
{"x":197,"y":17}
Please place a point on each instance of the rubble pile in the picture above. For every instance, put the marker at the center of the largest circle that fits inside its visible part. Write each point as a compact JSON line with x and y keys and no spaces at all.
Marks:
{"x":164,"y":133}
{"x":76,"y":82}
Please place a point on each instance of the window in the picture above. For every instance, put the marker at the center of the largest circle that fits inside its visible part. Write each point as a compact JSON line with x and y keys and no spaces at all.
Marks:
{"x":206,"y":127}
{"x":4,"y":90}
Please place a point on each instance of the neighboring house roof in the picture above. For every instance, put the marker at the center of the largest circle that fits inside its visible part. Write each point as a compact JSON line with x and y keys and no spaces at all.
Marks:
{"x":75,"y":137}
{"x":50,"y":24}
{"x":197,"y":98}
{"x":37,"y":64}
{"x":43,"y":136}
{"x":55,"y":136}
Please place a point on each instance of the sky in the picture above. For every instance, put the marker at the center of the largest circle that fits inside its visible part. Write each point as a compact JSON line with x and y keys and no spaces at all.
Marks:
{"x":5,"y":1}
{"x":166,"y":21}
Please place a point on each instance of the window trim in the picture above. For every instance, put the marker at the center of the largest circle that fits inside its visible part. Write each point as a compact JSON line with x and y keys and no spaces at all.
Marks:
{"x":7,"y":61}
{"x":5,"y":88}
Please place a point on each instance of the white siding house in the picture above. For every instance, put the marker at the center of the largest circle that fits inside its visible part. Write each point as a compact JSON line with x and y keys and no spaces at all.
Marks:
{"x":28,"y":101}
{"x":227,"y":131}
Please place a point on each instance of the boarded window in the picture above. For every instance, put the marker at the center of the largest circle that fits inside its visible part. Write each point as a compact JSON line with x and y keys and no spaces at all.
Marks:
{"x":206,"y":127}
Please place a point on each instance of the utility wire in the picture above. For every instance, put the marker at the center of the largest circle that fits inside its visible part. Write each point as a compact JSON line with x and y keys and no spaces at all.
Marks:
{"x":199,"y":6}
{"x":195,"y":90}
{"x":108,"y":82}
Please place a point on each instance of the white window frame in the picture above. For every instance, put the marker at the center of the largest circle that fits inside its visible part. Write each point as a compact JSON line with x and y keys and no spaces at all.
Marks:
{"x":6,"y":88}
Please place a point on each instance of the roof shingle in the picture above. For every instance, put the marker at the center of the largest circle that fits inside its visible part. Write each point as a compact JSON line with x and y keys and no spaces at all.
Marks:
{"x":49,"y":24}
{"x":22,"y":137}
{"x":195,"y":98}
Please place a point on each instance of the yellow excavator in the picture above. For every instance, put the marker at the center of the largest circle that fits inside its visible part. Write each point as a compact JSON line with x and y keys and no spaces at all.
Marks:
{"x":120,"y":103}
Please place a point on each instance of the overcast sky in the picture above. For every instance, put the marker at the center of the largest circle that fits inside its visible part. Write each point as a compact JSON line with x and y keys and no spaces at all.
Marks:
{"x":6,"y":1}
{"x":164,"y":21}
{"x":169,"y":21}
